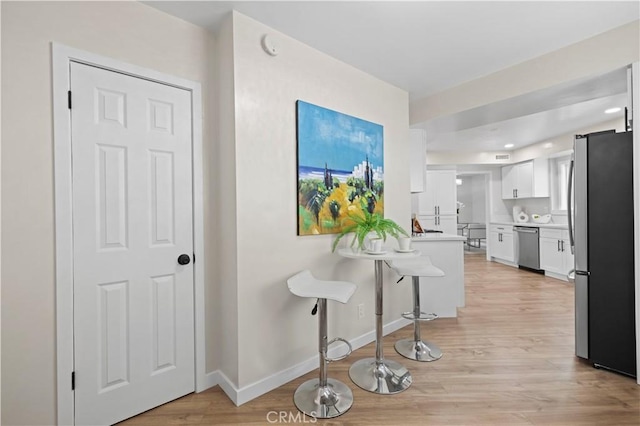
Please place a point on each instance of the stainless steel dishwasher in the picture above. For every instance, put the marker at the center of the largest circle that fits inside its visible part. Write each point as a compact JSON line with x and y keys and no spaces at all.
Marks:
{"x":528,"y":250}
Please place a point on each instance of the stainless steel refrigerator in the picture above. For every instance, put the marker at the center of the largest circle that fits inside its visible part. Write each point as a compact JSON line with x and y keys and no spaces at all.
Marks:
{"x":601,"y":233}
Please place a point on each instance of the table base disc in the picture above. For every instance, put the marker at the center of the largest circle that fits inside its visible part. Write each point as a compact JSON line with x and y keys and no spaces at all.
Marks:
{"x":383,"y":377}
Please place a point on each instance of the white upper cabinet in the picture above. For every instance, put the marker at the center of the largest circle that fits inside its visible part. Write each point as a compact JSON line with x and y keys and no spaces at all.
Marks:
{"x":529,"y":179}
{"x":417,"y":159}
{"x":439,"y":197}
{"x":508,"y":182}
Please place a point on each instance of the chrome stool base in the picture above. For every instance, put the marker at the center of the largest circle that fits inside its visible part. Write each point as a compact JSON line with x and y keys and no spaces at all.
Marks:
{"x":383,"y":377}
{"x":324,"y":402}
{"x":418,"y":350}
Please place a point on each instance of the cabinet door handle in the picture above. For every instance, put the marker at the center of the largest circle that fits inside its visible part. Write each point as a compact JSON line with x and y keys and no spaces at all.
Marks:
{"x":559,"y":246}
{"x":435,"y":210}
{"x":516,"y":193}
{"x":562,"y":244}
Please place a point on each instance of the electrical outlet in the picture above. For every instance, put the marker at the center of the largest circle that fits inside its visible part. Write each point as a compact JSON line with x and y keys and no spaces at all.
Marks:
{"x":361,"y":310}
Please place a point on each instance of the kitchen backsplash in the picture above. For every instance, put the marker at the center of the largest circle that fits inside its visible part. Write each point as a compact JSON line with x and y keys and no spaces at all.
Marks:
{"x":531,"y":206}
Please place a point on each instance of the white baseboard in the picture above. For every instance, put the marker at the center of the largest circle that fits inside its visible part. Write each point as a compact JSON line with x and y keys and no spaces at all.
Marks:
{"x":504,"y":262}
{"x":556,"y":276}
{"x":256,"y":389}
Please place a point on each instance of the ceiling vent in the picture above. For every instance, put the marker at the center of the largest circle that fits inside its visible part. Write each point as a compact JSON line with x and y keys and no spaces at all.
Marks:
{"x":503,"y":156}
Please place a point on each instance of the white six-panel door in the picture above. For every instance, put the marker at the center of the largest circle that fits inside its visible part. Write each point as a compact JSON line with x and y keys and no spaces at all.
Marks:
{"x":132,"y":219}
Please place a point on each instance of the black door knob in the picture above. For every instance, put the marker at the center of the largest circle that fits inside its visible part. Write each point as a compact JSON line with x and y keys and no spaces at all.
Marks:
{"x":184,"y":259}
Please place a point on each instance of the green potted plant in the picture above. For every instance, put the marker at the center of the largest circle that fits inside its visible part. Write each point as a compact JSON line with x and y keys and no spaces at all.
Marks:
{"x":366,"y":223}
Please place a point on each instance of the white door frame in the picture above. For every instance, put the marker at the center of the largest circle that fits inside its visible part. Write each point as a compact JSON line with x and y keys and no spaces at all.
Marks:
{"x":62,"y":56}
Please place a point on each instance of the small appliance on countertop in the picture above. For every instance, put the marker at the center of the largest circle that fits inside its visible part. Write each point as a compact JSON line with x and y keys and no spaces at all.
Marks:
{"x":522,"y":217}
{"x":540,"y":218}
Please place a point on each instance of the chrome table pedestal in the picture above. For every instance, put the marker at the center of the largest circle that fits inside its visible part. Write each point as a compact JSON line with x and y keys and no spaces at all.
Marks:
{"x":377,"y":374}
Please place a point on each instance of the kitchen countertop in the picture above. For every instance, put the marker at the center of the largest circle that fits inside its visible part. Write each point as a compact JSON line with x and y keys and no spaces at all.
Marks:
{"x":534,"y":225}
{"x":436,"y":236}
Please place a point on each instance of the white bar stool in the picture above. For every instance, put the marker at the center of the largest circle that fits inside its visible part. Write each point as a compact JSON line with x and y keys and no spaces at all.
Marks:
{"x":417,"y":349}
{"x":323,"y":398}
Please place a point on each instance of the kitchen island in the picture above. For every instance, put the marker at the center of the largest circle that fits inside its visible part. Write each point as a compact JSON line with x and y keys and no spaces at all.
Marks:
{"x":442,"y":295}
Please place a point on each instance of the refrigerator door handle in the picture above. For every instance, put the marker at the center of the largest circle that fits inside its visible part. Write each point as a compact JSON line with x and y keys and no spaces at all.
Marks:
{"x":569,"y":212}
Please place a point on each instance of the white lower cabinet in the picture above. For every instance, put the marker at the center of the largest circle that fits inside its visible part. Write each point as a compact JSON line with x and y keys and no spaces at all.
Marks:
{"x":555,"y":253}
{"x":501,"y":242}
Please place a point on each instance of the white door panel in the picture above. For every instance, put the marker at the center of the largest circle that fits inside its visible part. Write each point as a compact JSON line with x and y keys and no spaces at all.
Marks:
{"x":132,"y":218}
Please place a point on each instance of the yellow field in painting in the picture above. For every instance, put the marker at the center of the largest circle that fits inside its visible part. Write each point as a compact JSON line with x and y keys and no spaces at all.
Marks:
{"x":331,"y":221}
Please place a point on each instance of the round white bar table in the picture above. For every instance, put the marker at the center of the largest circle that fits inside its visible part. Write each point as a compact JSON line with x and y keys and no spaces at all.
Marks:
{"x":379,"y":375}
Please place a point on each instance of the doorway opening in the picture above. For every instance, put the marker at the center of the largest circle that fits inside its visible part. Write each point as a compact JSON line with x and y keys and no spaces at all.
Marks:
{"x":472,"y":209}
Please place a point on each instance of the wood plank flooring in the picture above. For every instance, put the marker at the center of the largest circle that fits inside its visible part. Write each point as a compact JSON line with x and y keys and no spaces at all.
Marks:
{"x":508,"y":359}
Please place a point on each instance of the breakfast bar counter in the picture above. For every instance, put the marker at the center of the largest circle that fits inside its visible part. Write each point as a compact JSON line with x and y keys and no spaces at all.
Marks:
{"x":444,"y":295}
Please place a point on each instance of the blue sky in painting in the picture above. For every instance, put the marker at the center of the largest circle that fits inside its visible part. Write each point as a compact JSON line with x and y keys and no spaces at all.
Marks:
{"x":340,"y":140}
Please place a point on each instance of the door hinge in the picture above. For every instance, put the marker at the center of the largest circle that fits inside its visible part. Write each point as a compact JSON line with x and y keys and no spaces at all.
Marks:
{"x":69,"y":98}
{"x":73,"y":380}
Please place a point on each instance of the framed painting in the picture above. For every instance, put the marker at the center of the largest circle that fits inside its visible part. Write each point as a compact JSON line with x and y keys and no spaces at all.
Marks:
{"x":340,"y":168}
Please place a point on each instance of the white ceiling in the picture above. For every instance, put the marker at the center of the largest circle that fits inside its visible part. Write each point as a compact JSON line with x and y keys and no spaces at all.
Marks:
{"x":531,"y":118}
{"x":425,"y":47}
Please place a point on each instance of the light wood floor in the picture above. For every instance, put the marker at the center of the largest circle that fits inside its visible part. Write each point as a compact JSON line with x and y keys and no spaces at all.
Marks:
{"x":508,"y":359}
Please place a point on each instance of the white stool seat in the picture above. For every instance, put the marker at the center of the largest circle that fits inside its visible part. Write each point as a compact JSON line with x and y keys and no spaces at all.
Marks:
{"x":416,"y":267}
{"x":304,"y":284}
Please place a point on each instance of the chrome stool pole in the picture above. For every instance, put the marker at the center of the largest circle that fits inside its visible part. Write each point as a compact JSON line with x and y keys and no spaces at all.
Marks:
{"x":417,"y":349}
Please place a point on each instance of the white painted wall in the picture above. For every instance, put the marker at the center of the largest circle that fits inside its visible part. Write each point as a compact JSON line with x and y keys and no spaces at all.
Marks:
{"x":464,"y":193}
{"x":478,"y":199}
{"x":275,"y":328}
{"x":225,"y":223}
{"x":605,"y":52}
{"x":127,"y":31}
{"x":472,"y":193}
